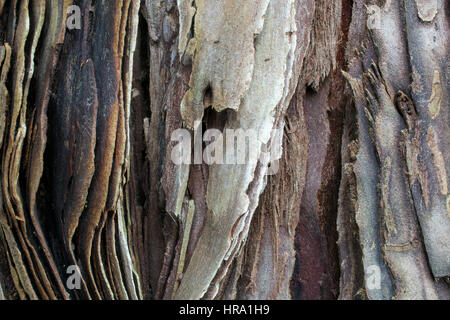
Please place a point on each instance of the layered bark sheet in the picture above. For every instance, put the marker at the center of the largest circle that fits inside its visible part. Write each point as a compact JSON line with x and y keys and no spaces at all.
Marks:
{"x":350,"y":98}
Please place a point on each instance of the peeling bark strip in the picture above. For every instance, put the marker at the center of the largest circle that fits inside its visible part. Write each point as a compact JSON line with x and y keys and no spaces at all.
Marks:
{"x":224,"y":227}
{"x":359,"y":206}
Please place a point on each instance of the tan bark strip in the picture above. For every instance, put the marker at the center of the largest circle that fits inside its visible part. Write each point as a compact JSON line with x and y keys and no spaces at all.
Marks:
{"x":103,"y":286}
{"x":15,"y":278}
{"x":436,"y":96}
{"x":438,"y":159}
{"x":107,"y":122}
{"x":19,"y":265}
{"x":119,"y":157}
{"x":34,"y":259}
{"x":130,"y":47}
{"x":20,"y":278}
{"x":385,"y":190}
{"x":127,"y":263}
{"x":110,"y":231}
{"x":16,"y":196}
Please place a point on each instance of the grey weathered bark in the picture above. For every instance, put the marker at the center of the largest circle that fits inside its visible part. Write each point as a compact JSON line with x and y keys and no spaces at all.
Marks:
{"x":358,"y":90}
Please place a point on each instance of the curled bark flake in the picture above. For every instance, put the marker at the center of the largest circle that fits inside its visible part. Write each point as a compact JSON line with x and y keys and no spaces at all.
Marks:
{"x":427,"y":9}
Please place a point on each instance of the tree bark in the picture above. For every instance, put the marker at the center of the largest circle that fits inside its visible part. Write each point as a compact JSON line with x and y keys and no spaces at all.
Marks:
{"x":350,"y":96}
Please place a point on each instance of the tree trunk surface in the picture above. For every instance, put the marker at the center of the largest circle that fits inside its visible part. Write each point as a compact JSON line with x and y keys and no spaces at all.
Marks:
{"x":349,"y":98}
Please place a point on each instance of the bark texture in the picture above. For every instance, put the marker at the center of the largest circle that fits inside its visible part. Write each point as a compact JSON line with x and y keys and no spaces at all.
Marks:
{"x":357,"y":91}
